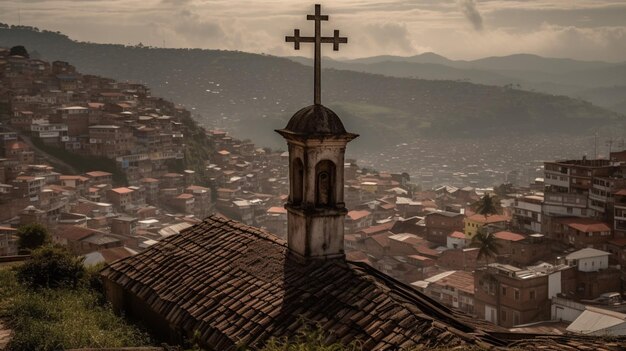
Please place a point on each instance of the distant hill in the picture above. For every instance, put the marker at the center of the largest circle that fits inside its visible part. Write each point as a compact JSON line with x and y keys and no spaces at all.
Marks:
{"x":254,"y":94}
{"x":530,"y":72}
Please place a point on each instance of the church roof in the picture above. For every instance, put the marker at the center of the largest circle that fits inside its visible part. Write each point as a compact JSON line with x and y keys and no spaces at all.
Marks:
{"x":235,"y":284}
{"x":316,"y":120}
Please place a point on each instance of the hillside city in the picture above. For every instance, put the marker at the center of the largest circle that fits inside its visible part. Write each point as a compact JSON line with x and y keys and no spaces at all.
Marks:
{"x":560,"y":229}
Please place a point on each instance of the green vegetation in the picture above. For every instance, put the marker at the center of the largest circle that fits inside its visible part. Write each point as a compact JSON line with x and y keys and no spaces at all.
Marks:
{"x":73,"y":315}
{"x":51,"y":267}
{"x":487,"y":205}
{"x":84,"y":163}
{"x":19,"y":51}
{"x":32,"y":236}
{"x":486,"y":243}
{"x":197,"y":149}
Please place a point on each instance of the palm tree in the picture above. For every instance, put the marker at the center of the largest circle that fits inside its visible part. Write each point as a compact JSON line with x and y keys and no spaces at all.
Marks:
{"x":486,"y":206}
{"x":486,"y":243}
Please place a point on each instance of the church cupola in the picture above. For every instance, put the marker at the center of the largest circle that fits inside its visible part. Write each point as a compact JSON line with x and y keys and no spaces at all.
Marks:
{"x":316,"y":140}
{"x":317,"y":143}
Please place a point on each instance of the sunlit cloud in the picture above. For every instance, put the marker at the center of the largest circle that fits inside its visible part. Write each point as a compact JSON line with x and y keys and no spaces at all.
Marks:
{"x":460,"y":29}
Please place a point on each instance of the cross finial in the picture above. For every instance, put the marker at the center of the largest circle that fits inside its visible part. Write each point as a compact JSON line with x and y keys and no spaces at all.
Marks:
{"x":318,"y":39}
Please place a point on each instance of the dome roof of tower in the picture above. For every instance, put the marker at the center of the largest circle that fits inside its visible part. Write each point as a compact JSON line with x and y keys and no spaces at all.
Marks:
{"x":316,"y":120}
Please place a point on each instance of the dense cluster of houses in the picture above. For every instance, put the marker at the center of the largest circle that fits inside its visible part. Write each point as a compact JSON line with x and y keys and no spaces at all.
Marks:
{"x":561,"y":241}
{"x":52,"y":106}
{"x":560,"y":244}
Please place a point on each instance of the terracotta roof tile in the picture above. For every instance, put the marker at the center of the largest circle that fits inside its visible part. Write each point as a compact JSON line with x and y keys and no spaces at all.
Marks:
{"x":237,"y":260}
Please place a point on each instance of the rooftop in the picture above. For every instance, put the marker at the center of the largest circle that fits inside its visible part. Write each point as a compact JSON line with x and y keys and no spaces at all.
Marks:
{"x":258,"y":290}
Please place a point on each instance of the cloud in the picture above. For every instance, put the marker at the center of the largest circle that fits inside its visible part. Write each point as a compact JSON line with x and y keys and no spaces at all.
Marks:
{"x":583,"y":29}
{"x":468,"y":7}
{"x":390,"y":37}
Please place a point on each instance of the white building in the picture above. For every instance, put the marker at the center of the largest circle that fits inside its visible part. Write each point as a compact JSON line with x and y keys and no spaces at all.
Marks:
{"x":589,"y":260}
{"x":598,"y":321}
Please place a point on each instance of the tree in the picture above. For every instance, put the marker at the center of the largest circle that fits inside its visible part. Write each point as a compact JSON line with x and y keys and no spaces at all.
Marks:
{"x":52,"y":267}
{"x":486,"y":243}
{"x":487,"y":206}
{"x":19,"y":50}
{"x":32,"y":236}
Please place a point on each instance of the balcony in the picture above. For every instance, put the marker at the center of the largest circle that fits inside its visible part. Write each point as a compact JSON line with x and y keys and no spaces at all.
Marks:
{"x":562,"y":199}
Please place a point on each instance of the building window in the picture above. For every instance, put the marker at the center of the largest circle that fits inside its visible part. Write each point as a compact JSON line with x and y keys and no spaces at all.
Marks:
{"x":503,"y":291}
{"x":532,"y":294}
{"x":503,"y":316}
{"x":297,"y":181}
{"x":517,"y":294}
{"x":325,"y":172}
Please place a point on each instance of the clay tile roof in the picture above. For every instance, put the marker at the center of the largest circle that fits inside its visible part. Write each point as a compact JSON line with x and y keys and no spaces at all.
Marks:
{"x":252,"y":290}
{"x":381,"y":239}
{"x":509,"y":236}
{"x":277,"y":209}
{"x":589,"y":228}
{"x":122,"y":190}
{"x":356,"y":215}
{"x":376,"y":229}
{"x":457,"y":235}
{"x":490,"y":219}
{"x":95,"y":174}
{"x":234,"y":284}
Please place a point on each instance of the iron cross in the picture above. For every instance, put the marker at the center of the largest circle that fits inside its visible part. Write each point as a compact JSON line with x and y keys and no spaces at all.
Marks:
{"x":318,"y":39}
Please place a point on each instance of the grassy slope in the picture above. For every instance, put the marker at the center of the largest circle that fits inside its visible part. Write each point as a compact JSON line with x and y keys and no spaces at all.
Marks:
{"x":61,"y":319}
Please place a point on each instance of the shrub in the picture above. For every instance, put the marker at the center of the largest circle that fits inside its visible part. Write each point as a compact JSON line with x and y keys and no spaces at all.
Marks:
{"x":51,"y":267}
{"x":32,"y":236}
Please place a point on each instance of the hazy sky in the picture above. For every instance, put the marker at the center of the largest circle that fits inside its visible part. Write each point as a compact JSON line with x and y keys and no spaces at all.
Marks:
{"x":459,"y":29}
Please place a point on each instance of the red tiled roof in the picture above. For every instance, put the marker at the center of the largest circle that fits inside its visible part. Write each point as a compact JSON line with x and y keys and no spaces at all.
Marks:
{"x":490,"y":219}
{"x":585,"y":225}
{"x":457,"y":235}
{"x":376,"y":229}
{"x":356,"y":215}
{"x":509,"y":236}
{"x":277,"y":209}
{"x":95,"y":174}
{"x":381,"y":239}
{"x":122,"y":190}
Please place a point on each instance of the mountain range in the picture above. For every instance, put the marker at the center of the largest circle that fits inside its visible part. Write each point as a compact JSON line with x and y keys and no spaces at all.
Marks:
{"x":254,"y":94}
{"x":577,"y":79}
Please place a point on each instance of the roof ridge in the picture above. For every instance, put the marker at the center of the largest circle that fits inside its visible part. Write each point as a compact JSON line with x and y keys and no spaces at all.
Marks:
{"x":261,"y":233}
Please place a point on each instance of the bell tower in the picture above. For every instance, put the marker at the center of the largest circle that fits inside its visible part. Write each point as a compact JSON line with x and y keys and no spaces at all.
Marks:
{"x":317,"y":141}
